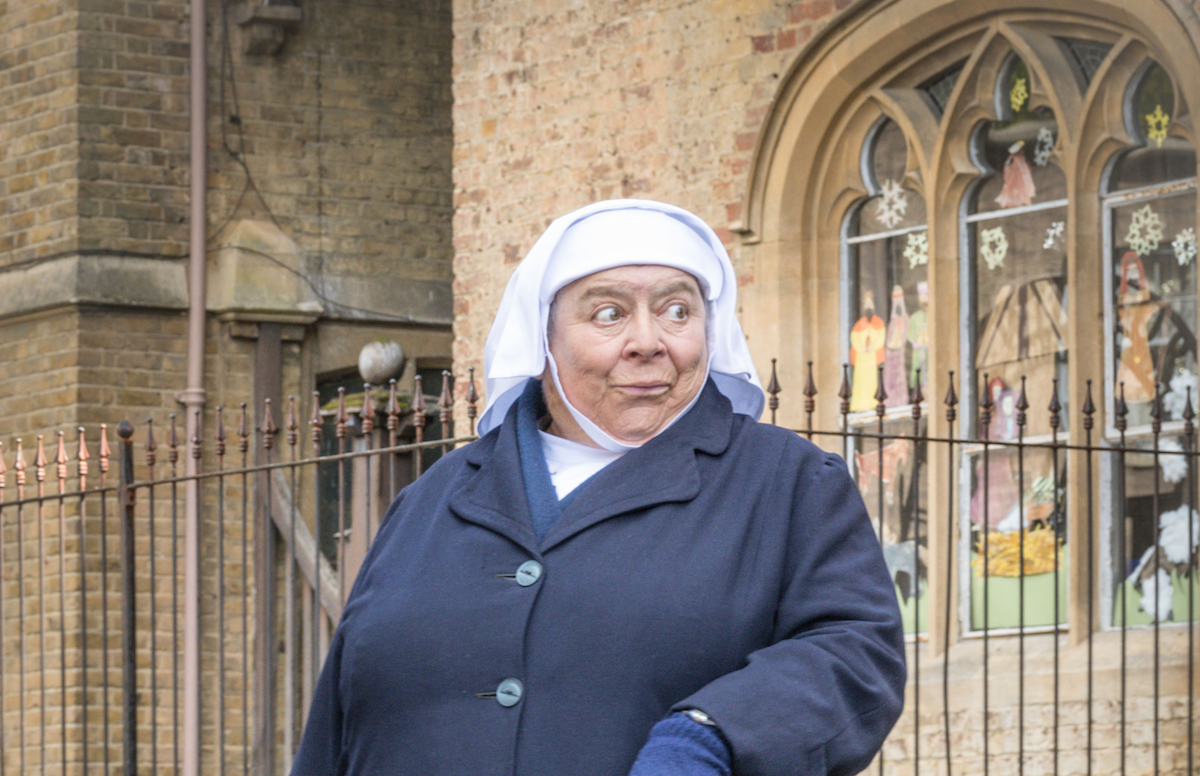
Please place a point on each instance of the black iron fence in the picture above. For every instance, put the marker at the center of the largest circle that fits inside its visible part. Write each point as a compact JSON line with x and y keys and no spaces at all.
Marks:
{"x":1044,"y":560}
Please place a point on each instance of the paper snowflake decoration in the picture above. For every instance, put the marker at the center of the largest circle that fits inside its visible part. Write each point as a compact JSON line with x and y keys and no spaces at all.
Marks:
{"x":1054,"y":234}
{"x":1044,"y":147}
{"x":1184,"y":385}
{"x":1145,"y":231}
{"x":1018,"y":95}
{"x":993,"y":246}
{"x":1185,"y":246}
{"x":892,"y":204}
{"x":1156,"y":125}
{"x":916,"y":250}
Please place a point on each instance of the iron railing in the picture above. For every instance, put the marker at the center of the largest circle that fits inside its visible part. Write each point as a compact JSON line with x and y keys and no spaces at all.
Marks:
{"x":1050,"y":669}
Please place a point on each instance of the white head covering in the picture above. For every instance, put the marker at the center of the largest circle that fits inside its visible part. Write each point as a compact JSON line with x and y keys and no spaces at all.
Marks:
{"x":604,"y":235}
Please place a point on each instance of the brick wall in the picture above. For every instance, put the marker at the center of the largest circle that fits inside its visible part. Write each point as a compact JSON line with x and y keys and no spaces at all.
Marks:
{"x":559,"y":106}
{"x":38,"y":129}
{"x":347,"y":134}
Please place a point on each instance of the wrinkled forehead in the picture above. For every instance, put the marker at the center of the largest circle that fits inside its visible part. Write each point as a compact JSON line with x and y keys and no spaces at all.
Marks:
{"x":620,"y":238}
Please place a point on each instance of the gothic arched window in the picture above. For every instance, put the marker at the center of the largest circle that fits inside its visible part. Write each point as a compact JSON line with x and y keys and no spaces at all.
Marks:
{"x":886,"y":254}
{"x":1151,"y":316}
{"x":1015,"y":228}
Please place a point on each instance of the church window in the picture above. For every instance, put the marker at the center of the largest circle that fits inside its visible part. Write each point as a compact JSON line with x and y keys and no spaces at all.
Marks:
{"x":1016,"y":228}
{"x":1150,"y":220}
{"x":886,"y":302}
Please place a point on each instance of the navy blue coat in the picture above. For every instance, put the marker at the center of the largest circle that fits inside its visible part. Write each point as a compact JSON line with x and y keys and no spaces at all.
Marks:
{"x":725,"y":565}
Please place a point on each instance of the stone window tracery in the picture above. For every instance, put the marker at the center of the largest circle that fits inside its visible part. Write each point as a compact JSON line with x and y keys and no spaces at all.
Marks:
{"x":1023,"y":110}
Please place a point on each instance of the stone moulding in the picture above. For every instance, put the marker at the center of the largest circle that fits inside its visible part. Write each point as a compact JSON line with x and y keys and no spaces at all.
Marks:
{"x":264,"y":27}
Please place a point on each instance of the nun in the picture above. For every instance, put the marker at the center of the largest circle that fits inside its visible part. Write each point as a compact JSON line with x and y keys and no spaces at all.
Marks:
{"x":627,"y":574}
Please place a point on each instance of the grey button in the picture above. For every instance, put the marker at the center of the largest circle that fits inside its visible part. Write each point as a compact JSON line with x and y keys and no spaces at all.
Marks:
{"x":529,"y":572}
{"x":509,"y":692}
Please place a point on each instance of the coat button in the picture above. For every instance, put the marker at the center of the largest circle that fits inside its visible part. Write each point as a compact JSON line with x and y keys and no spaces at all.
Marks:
{"x":529,"y":572}
{"x":509,"y":692}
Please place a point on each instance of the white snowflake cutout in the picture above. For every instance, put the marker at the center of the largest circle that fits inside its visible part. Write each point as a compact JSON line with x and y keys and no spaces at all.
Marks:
{"x":1145,"y":231}
{"x":1185,"y":246}
{"x":892,"y":204}
{"x":993,"y":246}
{"x":1044,"y":147}
{"x":1054,"y":234}
{"x":916,"y":249}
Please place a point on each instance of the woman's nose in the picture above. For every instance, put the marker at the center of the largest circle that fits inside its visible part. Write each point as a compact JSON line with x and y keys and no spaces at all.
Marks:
{"x":645,"y":339}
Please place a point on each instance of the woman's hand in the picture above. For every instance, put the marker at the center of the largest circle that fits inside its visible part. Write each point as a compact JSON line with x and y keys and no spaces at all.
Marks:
{"x":678,"y":746}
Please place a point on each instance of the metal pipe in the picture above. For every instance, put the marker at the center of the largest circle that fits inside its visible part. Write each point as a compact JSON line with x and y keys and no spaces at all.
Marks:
{"x":193,"y":396}
{"x":128,"y":604}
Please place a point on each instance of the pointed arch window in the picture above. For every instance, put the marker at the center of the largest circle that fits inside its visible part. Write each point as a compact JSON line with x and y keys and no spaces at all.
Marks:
{"x":1015,"y":229}
{"x":1151,"y":316}
{"x":1018,"y":205}
{"x":886,"y":325}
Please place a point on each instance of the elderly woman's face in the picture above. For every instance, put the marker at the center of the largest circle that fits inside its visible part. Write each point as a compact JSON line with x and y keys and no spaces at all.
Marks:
{"x":631,"y":349}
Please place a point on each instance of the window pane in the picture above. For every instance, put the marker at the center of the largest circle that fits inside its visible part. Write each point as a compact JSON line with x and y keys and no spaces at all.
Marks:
{"x":895,"y":207}
{"x":899,"y":342}
{"x":1018,"y":268}
{"x":1154,"y":297}
{"x":1018,"y":150}
{"x":1151,"y":108}
{"x":1014,"y":485}
{"x":1152,"y":585}
{"x":892,"y":481}
{"x":1021,"y":314}
{"x":1174,"y":160}
{"x":888,"y":323}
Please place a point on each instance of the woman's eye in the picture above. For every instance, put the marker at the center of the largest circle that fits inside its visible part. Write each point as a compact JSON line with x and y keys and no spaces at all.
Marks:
{"x":677,"y":312}
{"x":608,"y":315}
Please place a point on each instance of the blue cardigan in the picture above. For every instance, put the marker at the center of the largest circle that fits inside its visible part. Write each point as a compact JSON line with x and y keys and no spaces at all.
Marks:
{"x":725,"y":565}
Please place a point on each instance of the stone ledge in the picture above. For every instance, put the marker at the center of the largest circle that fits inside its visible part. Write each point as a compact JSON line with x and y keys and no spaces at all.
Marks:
{"x":89,"y":279}
{"x":161,"y":283}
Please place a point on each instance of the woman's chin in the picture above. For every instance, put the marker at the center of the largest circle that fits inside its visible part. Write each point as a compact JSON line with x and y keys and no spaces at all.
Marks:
{"x":636,"y":427}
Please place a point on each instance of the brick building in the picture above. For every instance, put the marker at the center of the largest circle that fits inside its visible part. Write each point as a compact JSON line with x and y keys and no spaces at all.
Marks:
{"x":989,"y":187}
{"x":1000,"y":189}
{"x":328,"y":209}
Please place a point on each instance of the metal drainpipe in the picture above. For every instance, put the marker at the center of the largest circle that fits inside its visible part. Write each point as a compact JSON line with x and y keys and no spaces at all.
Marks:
{"x":193,"y":397}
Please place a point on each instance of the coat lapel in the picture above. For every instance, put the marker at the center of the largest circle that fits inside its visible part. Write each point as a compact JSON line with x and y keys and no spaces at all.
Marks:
{"x":662,"y":471}
{"x":494,"y":496}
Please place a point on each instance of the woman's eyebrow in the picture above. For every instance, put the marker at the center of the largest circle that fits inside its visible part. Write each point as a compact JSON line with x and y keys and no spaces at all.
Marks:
{"x":676,"y":287}
{"x":621,"y":292}
{"x":609,"y":291}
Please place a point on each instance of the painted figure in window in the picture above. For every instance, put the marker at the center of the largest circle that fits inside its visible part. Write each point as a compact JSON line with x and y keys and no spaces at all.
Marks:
{"x":1004,"y":411}
{"x":866,"y":354}
{"x":887,"y":468}
{"x":895,"y":380}
{"x":1019,"y":189}
{"x":1135,"y":365}
{"x":918,"y":337}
